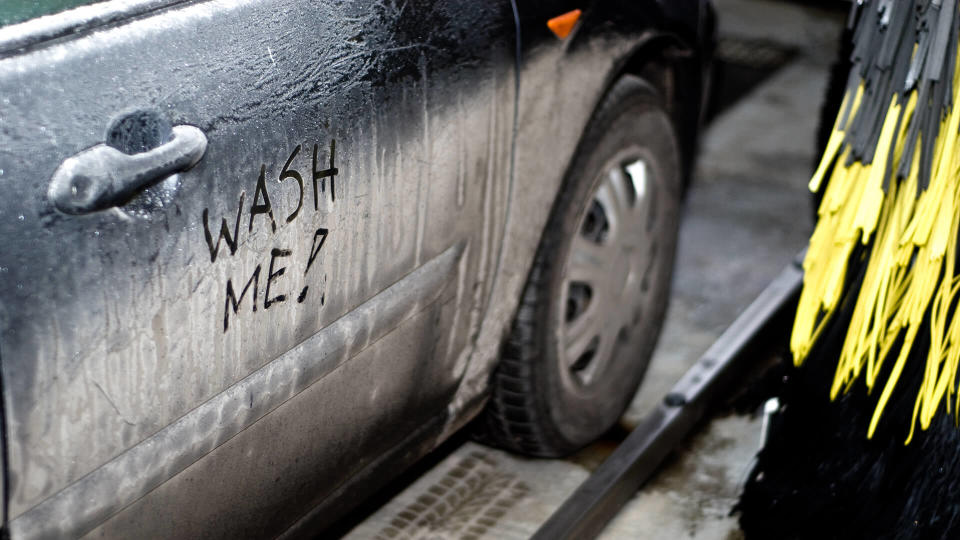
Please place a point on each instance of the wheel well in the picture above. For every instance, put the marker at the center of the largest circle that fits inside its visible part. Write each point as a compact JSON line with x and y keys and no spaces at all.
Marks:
{"x":674,"y":70}
{"x":654,"y":67}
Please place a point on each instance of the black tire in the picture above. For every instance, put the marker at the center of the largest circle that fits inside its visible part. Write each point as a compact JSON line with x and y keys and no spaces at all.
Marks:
{"x":538,"y":406}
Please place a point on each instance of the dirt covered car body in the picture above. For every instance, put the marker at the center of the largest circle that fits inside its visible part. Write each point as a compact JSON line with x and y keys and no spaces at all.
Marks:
{"x":259,"y":256}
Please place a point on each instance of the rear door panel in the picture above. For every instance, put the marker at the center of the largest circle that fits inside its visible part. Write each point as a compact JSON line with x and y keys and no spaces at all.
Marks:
{"x":115,"y":324}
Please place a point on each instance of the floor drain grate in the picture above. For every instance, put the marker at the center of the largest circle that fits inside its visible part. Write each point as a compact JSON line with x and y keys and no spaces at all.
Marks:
{"x":467,"y":501}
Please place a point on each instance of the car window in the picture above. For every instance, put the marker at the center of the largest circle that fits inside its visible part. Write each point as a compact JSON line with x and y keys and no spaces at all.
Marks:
{"x":19,"y":11}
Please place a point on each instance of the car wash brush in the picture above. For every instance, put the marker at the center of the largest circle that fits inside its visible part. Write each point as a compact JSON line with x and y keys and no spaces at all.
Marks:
{"x":866,"y":444}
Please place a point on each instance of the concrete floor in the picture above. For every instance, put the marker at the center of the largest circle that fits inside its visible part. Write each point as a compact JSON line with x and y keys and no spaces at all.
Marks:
{"x":746,"y":216}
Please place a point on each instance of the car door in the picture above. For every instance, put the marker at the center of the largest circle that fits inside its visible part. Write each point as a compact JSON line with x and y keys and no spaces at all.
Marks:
{"x":246,"y":249}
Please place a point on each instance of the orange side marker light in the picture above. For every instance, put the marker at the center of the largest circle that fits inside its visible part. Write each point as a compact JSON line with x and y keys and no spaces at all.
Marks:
{"x":562,"y":25}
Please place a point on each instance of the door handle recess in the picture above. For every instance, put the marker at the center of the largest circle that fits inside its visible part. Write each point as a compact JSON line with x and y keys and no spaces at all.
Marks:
{"x":102,"y":176}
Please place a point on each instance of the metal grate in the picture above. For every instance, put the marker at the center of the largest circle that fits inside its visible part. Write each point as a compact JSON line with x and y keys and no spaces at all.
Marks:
{"x":465,"y":503}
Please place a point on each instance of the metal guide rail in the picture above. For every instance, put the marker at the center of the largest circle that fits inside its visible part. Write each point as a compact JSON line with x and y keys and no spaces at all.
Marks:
{"x":587,"y":511}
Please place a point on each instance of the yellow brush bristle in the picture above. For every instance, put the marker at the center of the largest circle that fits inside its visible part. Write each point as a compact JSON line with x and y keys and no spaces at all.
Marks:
{"x":910,"y":279}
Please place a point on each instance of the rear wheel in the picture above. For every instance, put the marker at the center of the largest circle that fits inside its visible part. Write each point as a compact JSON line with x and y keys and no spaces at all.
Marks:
{"x":595,"y":299}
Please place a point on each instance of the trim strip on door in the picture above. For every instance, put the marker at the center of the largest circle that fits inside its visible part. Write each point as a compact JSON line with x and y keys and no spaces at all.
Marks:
{"x":73,"y":21}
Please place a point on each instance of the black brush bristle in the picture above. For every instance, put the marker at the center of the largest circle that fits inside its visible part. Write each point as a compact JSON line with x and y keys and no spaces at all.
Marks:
{"x":818,"y":476}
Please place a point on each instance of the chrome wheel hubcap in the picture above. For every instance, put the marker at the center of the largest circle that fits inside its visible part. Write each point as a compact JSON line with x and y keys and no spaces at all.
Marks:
{"x":609,"y":269}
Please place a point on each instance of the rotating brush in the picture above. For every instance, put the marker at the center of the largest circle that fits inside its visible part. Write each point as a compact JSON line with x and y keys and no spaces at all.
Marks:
{"x":867,"y":442}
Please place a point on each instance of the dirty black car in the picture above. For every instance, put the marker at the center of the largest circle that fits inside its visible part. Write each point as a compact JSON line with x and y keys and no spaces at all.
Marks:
{"x":259,"y":256}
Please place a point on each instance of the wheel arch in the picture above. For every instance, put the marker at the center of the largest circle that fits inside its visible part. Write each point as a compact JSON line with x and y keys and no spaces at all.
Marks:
{"x":677,"y":70}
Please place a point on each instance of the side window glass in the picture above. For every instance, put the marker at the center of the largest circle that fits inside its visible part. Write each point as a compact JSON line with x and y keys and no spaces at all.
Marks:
{"x":15,"y":11}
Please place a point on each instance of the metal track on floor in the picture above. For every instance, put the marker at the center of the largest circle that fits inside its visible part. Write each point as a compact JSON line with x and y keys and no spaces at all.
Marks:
{"x":598,"y":499}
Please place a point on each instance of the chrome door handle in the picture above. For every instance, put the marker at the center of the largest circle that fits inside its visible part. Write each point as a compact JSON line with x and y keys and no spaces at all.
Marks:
{"x":102,"y":176}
